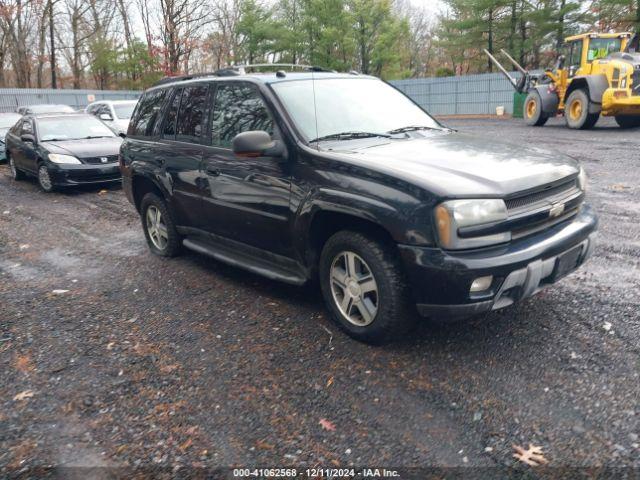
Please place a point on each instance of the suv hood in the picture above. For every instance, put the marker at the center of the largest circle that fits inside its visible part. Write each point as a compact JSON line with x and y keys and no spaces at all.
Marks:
{"x":91,"y":147}
{"x":456,"y":164}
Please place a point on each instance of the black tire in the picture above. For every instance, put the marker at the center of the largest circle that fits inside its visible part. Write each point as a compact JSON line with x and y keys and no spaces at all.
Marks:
{"x":16,"y":174}
{"x":395,"y":313}
{"x":173,"y":242}
{"x":532,"y":110}
{"x":576,"y":111}
{"x":628,"y":121}
{"x":45,"y":185}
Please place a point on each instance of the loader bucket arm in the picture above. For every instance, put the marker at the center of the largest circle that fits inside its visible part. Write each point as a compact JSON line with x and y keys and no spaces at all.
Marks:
{"x":516,"y":85}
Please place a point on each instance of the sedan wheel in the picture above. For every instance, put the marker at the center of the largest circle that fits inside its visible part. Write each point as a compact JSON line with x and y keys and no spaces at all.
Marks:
{"x":44,"y":179}
{"x":354,"y":289}
{"x":157,"y":228}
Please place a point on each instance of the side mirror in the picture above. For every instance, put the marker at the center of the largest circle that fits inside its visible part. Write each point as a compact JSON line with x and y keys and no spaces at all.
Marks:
{"x":256,"y":143}
{"x":106,"y":117}
{"x":28,"y":138}
{"x":122,"y":134}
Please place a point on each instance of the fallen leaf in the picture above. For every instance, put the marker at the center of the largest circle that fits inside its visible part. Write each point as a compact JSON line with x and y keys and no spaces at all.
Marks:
{"x":262,"y":445}
{"x":59,"y":292}
{"x":186,"y":445}
{"x":23,"y":395}
{"x":619,"y":187}
{"x":110,"y":345}
{"x":24,"y":246}
{"x":102,"y":192}
{"x":329,"y":382}
{"x":533,"y":456}
{"x":327,"y":425}
{"x":168,"y":368}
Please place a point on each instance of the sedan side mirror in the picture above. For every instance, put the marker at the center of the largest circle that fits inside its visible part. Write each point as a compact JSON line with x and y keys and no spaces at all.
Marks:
{"x":28,"y":138}
{"x":106,"y":117}
{"x":256,"y":143}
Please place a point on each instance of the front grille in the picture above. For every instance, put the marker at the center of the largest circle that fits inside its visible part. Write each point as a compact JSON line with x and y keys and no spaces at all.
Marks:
{"x":98,"y":160}
{"x":549,"y":194}
{"x":531,"y":213}
{"x":635,"y":82}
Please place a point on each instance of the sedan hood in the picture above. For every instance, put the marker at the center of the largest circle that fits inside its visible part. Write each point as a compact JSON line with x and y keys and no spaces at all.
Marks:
{"x":456,"y":164}
{"x":92,"y":147}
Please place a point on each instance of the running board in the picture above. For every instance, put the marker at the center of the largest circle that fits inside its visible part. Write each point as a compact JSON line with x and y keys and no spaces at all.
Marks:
{"x":252,"y":263}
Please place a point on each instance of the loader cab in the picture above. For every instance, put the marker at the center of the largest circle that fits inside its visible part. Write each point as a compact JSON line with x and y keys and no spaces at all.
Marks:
{"x":583,"y":50}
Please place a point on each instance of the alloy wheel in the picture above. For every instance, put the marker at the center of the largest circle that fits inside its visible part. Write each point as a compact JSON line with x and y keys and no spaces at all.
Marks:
{"x":156,"y":228}
{"x":354,"y":288}
{"x":44,"y":178}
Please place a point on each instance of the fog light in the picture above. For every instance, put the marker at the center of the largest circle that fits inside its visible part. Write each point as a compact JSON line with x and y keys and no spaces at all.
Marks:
{"x":481,"y":284}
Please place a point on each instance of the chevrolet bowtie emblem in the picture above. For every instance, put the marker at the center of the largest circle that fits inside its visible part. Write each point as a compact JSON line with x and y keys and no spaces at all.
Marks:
{"x":556,"y":210}
{"x":104,"y":159}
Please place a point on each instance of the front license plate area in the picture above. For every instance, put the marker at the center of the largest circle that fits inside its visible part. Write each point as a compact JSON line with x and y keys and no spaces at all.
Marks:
{"x":566,"y":263}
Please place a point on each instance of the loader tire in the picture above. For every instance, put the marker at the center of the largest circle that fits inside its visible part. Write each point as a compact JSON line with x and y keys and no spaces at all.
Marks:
{"x":577,"y":111}
{"x":533,"y":114}
{"x":628,"y":121}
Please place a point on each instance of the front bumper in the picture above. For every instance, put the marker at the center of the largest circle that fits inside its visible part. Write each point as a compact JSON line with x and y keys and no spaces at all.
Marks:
{"x":441,"y":279}
{"x":68,"y":175}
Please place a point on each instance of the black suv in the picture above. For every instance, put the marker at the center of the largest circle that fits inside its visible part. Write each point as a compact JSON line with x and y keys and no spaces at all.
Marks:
{"x":342,"y":178}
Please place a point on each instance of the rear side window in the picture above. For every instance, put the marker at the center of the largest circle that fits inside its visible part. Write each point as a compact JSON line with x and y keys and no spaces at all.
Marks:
{"x":146,"y":114}
{"x":191,"y":115}
{"x":169,"y":129}
{"x":238,"y":108}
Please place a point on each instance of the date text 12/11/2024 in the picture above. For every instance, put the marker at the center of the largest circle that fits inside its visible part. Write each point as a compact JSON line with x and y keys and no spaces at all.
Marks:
{"x":316,"y":473}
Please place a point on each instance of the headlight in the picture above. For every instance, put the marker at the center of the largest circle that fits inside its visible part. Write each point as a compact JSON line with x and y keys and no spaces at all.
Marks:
{"x":58,"y":158}
{"x":453,"y":215}
{"x":582,"y":180}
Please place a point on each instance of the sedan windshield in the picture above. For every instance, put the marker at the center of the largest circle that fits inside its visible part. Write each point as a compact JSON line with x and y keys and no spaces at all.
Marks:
{"x":347,"y":108}
{"x":72,"y":128}
{"x":124,"y":110}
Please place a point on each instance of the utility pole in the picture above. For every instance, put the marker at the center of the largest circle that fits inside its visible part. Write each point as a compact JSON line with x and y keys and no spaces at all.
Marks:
{"x":54,"y":83}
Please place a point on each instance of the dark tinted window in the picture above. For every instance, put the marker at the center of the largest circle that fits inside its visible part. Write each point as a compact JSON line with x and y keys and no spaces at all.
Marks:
{"x":169,"y":130}
{"x":192,"y":111}
{"x":238,"y":108}
{"x":146,"y":113}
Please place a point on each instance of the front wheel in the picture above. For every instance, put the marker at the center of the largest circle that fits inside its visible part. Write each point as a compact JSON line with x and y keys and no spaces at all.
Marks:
{"x":628,"y":121}
{"x":577,"y":111}
{"x":364,"y":287}
{"x":533,"y":114}
{"x":44,"y":179}
{"x":159,"y":230}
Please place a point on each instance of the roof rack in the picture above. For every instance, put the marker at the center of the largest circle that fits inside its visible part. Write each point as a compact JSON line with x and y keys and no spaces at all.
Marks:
{"x":236,"y":70}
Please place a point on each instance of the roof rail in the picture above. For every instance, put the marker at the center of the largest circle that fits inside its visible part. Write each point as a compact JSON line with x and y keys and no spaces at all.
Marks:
{"x":235,"y":70}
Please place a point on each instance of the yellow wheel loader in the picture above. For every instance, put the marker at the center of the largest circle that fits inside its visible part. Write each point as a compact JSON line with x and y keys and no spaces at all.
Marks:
{"x":598,"y":75}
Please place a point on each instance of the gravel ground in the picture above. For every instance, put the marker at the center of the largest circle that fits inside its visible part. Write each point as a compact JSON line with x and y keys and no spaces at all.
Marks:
{"x":187,"y":363}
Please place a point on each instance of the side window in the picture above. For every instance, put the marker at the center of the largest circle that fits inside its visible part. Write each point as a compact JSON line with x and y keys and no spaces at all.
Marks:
{"x":237,"y":108}
{"x":26,"y":127}
{"x":146,"y":114}
{"x":576,"y":54}
{"x":192,"y":113}
{"x":91,"y":109}
{"x":169,"y":130}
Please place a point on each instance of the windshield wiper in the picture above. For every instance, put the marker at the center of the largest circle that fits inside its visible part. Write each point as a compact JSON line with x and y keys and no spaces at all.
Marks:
{"x":412,"y":128}
{"x":93,"y":136}
{"x":349,"y":136}
{"x":56,"y":139}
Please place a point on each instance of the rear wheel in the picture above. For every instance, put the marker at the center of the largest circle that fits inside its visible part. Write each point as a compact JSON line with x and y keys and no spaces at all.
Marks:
{"x":628,"y":121}
{"x":160,"y":231}
{"x":533,"y":114}
{"x":364,"y":287}
{"x":577,"y":111}
{"x":44,"y":179}
{"x":16,"y":174}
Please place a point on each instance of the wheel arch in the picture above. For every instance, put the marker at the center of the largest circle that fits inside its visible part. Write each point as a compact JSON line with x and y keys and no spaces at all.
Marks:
{"x":594,"y":85}
{"x":141,"y":185}
{"x":549,"y":99}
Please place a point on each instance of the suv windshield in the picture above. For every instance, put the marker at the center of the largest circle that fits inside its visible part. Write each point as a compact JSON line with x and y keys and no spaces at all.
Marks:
{"x":124,"y":110}
{"x":72,"y":128}
{"x":350,"y":106}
